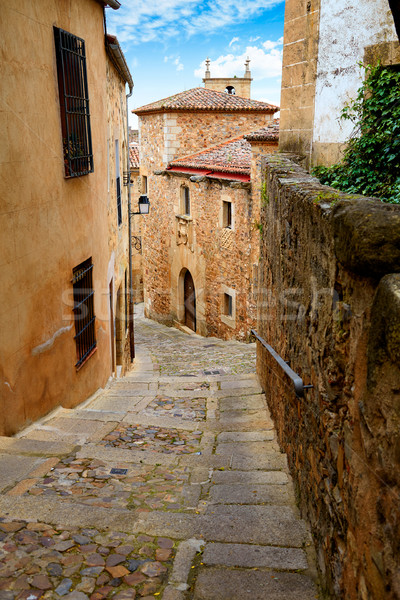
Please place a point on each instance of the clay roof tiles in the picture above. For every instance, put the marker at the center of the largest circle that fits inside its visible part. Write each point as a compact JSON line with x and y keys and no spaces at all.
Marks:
{"x":134,"y":155}
{"x":265,"y":134}
{"x":232,"y":156}
{"x":203,"y":99}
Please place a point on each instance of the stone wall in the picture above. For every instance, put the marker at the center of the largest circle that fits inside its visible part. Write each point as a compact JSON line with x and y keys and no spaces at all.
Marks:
{"x":299,"y":68}
{"x":219,"y":259}
{"x":329,"y":302}
{"x":118,"y":240}
{"x":242,"y":85}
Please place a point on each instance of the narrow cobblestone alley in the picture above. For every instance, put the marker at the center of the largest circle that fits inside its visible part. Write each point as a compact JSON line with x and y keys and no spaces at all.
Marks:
{"x":167,"y":484}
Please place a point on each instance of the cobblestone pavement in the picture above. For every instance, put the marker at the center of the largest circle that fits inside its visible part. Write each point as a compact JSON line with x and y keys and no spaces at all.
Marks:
{"x":168,"y":484}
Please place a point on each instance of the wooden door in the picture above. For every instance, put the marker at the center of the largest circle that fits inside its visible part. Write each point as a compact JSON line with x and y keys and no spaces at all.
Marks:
{"x":190,"y":302}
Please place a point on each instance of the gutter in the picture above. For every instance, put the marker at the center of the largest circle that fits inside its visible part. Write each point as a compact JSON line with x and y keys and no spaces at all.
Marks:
{"x":117,"y":57}
{"x":114,"y":4}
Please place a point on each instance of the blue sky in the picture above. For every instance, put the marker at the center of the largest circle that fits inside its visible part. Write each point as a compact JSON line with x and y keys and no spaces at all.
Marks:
{"x":166,"y":43}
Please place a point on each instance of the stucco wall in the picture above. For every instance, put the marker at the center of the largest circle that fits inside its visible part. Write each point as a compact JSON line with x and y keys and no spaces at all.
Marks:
{"x":329,"y":304}
{"x":49,"y":224}
{"x":345,"y":30}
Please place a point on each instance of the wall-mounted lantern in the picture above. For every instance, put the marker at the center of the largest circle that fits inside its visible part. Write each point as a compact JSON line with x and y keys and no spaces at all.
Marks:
{"x":144,"y":206}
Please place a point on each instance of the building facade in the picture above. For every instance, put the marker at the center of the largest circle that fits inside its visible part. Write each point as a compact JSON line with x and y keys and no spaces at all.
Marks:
{"x":200,"y":241}
{"x":59,"y":277}
{"x":324,"y":42}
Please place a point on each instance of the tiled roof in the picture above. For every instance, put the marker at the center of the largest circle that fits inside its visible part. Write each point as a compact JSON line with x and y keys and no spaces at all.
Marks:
{"x":134,"y":155}
{"x":203,"y":100}
{"x":232,"y":156}
{"x":265,"y":134}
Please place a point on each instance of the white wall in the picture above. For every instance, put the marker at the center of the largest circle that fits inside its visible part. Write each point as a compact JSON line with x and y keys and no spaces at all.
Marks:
{"x":346,"y":28}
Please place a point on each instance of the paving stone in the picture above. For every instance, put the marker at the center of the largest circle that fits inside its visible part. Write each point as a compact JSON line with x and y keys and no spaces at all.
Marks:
{"x":64,"y":587}
{"x":245,"y":436}
{"x":250,"y":477}
{"x":115,"y":559}
{"x":250,"y":556}
{"x":225,"y":584}
{"x":254,"y":494}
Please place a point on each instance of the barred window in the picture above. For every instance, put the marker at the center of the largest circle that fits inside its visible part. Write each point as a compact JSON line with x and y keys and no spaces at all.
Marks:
{"x":85,"y":336}
{"x":74,"y":103}
{"x":118,"y":181}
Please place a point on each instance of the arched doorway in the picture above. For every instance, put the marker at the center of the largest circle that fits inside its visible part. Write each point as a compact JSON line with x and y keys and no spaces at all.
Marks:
{"x":189,"y":295}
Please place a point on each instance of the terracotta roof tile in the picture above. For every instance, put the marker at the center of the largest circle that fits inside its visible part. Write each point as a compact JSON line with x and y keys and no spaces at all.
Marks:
{"x":265,"y":134}
{"x":203,"y":100}
{"x":232,"y":156}
{"x":134,"y":155}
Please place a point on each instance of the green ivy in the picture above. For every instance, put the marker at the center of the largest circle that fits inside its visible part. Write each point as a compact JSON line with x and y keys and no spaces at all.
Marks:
{"x":371,"y":162}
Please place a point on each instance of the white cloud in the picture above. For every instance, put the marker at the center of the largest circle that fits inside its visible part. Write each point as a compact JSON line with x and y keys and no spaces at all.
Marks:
{"x":233,"y":40}
{"x":254,"y":39}
{"x":265,"y":62}
{"x":143,"y":21}
{"x":178,"y":64}
{"x":175,"y":60}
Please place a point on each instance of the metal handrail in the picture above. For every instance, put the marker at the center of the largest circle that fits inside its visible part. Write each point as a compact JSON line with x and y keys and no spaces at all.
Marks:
{"x":299,"y":386}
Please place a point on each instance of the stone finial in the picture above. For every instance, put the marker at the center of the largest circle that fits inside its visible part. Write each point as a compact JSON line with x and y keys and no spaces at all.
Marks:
{"x":247,"y":73}
{"x":208,"y":74}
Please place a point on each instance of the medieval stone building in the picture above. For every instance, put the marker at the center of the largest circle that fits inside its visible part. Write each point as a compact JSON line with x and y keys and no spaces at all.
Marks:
{"x":200,"y":242}
{"x":63,"y":287}
{"x":323,"y":44}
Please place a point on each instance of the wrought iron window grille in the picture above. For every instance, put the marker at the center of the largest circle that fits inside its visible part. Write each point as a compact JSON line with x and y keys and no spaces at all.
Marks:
{"x":85,"y":335}
{"x":74,"y":103}
{"x":119,"y":205}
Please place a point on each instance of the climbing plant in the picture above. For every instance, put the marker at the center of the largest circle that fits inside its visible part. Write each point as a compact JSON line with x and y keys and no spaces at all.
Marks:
{"x":371,"y":162}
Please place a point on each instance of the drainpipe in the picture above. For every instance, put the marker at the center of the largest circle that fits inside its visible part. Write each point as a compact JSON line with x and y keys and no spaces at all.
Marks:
{"x":131,"y":325}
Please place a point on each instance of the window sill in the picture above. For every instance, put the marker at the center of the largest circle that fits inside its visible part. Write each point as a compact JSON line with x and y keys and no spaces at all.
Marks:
{"x":230,"y":321}
{"x":184,"y":217}
{"x":86,"y":359}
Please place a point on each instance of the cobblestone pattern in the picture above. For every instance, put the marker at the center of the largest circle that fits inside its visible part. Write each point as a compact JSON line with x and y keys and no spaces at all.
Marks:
{"x":91,"y":482}
{"x":191,"y":409}
{"x":155,"y":439}
{"x":175,"y":354}
{"x":39,"y":561}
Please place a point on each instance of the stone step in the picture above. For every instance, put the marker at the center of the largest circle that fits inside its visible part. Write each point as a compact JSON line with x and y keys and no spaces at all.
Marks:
{"x":253,"y":494}
{"x":34,"y":447}
{"x":252,"y":556}
{"x":217,"y":583}
{"x":250,"y":477}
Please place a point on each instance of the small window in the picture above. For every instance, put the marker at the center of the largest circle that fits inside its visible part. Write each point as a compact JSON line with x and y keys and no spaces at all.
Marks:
{"x":144,"y":184}
{"x":118,"y":182}
{"x":74,"y":103}
{"x":227,"y":214}
{"x":85,"y":335}
{"x":227,"y":305}
{"x":185,"y":200}
{"x":230,"y":90}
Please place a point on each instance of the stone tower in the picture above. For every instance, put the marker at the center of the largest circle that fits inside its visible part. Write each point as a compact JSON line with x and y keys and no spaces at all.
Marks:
{"x":240,"y":86}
